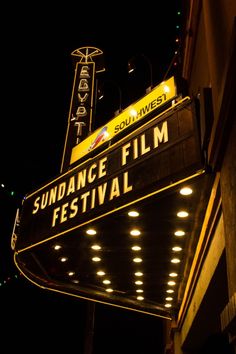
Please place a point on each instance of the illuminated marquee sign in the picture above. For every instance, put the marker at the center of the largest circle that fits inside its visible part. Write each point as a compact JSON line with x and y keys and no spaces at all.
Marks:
{"x":88,"y":61}
{"x":81,"y":106}
{"x":148,"y":159}
{"x":160,"y":95}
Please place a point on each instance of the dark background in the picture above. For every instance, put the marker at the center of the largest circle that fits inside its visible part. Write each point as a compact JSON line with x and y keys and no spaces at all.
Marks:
{"x":36,"y":81}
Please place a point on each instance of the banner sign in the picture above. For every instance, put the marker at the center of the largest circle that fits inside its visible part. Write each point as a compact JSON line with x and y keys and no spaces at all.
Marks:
{"x":153,"y":156}
{"x":160,"y":95}
{"x":81,"y":108}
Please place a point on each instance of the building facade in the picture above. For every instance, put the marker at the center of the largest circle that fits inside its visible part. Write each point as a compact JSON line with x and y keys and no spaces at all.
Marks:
{"x":206,"y":321}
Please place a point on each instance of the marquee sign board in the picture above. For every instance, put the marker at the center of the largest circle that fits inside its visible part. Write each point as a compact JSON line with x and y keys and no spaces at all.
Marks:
{"x":158,"y":97}
{"x":144,"y":172}
{"x":155,"y":155}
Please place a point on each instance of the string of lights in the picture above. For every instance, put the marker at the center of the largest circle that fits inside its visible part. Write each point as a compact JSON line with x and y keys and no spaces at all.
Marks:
{"x":8,"y":280}
{"x":7,"y":190}
{"x":176,"y":56}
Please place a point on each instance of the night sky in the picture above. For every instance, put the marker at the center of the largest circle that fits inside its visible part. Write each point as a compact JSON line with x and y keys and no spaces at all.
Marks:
{"x":36,"y":80}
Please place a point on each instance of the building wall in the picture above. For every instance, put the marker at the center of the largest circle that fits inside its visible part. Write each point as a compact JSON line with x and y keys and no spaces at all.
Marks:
{"x":207,"y":317}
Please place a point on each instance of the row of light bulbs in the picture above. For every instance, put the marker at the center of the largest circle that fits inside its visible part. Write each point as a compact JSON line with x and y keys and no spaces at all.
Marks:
{"x":186,"y":191}
{"x":134,"y":233}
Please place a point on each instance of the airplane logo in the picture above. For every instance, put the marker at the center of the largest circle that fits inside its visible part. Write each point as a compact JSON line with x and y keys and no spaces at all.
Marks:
{"x":102,"y":136}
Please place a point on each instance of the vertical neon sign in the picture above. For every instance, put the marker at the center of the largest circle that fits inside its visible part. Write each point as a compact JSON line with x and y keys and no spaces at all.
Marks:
{"x":88,"y":61}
